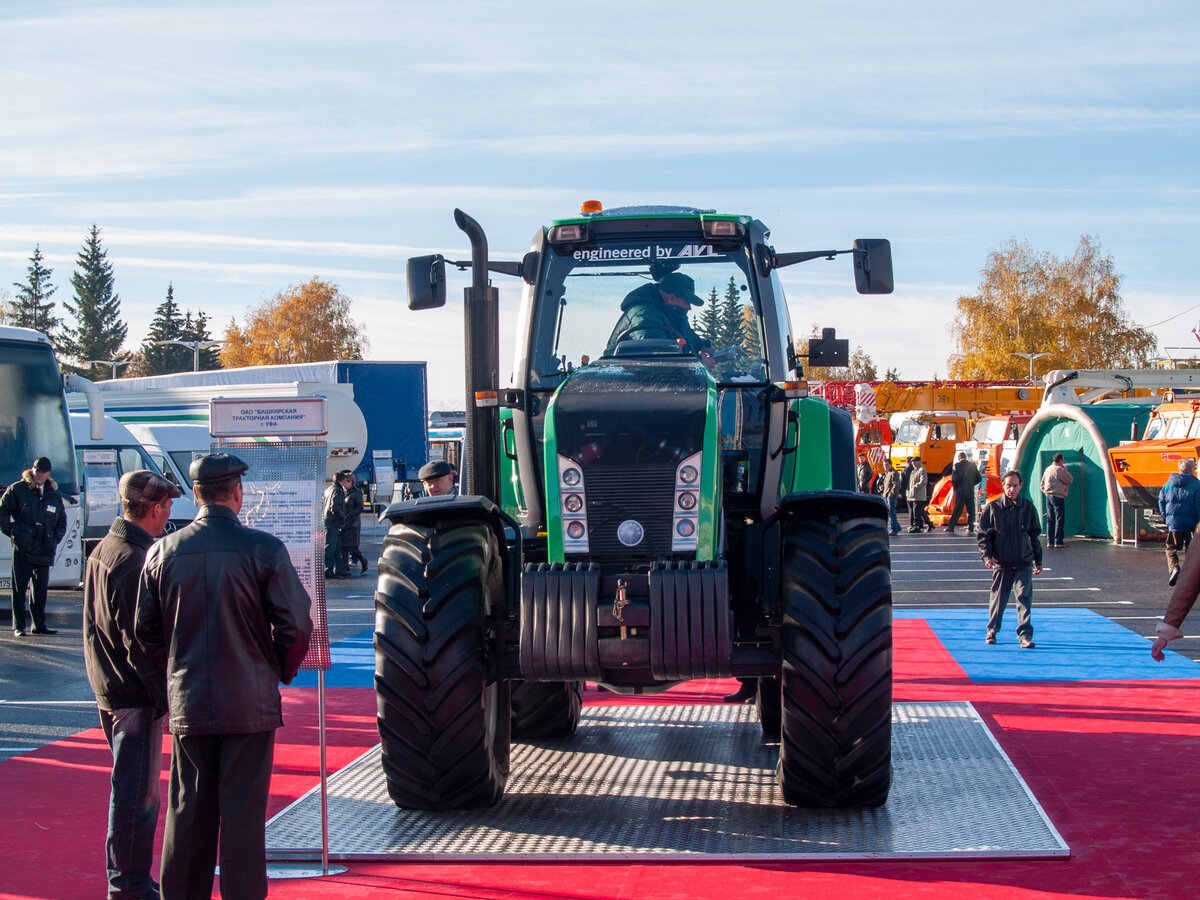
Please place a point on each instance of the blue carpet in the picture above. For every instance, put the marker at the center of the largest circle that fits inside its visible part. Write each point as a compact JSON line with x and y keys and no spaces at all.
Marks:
{"x":1072,"y":645}
{"x":353,"y":661}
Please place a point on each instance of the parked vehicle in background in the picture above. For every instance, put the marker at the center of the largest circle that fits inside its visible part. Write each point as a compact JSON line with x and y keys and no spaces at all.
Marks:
{"x":1142,"y":467}
{"x":101,"y":463}
{"x":33,"y":423}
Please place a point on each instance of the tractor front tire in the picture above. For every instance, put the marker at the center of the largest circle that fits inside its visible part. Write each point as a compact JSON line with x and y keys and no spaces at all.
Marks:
{"x":545,"y":710}
{"x":835,"y":748}
{"x":443,"y":722}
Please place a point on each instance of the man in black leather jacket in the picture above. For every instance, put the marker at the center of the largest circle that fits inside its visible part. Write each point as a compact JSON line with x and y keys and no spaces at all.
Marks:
{"x":222,"y":611}
{"x":33,"y":515}
{"x":1009,"y":545}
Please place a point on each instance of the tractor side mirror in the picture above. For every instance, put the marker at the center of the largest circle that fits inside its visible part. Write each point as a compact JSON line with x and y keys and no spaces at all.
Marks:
{"x":828,"y":349}
{"x":873,"y":266}
{"x":426,"y":282}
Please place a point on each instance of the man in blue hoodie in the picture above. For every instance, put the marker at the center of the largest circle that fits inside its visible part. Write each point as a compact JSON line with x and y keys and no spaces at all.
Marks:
{"x":1179,"y":502}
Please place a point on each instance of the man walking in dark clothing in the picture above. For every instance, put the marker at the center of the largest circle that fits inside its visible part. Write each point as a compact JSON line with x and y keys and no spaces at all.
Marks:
{"x":33,"y":516}
{"x":222,"y":612}
{"x":352,"y":530}
{"x":131,"y":711}
{"x":963,"y":478}
{"x":1009,"y":546}
{"x":335,"y":520}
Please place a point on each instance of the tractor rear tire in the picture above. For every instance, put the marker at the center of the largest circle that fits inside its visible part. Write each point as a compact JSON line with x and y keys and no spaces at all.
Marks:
{"x":769,"y":700}
{"x":545,"y":710}
{"x":443,"y":721}
{"x":835,"y":748}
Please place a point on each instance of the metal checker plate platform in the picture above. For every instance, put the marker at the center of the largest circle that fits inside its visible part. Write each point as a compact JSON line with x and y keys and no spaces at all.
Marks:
{"x":696,"y":781}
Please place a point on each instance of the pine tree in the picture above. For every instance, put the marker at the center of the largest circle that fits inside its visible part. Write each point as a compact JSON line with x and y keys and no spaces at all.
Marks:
{"x":33,"y":307}
{"x":196,"y":329}
{"x":167,"y":325}
{"x":708,"y":323}
{"x":98,"y":331}
{"x":733,"y":332}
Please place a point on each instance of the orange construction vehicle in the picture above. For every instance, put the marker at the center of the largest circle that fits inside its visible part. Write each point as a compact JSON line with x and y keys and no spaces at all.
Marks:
{"x":1142,"y":467}
{"x":941,"y":415}
{"x":993,"y":448}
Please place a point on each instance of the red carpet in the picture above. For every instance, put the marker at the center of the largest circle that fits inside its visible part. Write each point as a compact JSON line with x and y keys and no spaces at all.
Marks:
{"x":1113,"y":764}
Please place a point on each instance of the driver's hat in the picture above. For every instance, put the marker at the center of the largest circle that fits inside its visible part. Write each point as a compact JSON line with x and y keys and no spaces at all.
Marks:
{"x":681,"y":286}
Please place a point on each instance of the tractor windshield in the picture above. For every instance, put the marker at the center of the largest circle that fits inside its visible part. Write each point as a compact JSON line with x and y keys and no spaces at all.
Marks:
{"x":586,"y":292}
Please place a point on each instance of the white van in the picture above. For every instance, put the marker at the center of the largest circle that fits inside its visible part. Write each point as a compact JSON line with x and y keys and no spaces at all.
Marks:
{"x":173,"y":447}
{"x":102,"y":463}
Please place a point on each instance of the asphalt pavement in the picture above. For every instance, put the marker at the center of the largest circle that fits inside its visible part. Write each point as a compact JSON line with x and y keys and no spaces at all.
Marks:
{"x":44,"y":694}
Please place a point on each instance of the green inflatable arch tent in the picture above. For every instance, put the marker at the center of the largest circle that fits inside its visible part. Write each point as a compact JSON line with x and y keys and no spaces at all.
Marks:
{"x":1082,"y":434}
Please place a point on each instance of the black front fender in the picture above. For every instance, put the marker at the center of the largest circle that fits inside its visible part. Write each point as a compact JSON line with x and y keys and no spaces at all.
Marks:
{"x":832,"y":504}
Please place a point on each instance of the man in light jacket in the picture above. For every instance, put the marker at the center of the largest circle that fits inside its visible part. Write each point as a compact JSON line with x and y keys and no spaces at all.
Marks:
{"x":918,"y":493}
{"x":1056,"y":481}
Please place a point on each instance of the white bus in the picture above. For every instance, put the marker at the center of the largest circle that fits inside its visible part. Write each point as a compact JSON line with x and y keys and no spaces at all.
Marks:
{"x":33,"y":423}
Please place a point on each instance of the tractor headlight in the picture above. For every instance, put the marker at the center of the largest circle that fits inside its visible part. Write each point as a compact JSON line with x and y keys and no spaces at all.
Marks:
{"x":574,"y":506}
{"x":686,"y":523}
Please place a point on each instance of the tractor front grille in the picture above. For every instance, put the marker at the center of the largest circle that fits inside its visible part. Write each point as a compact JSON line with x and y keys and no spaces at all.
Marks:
{"x":645,"y":494}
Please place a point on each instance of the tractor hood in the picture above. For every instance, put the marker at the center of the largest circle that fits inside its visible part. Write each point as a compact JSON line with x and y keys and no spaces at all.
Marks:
{"x":629,"y":427}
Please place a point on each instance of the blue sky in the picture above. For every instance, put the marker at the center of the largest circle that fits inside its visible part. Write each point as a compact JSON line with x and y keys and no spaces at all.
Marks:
{"x":234,"y":149}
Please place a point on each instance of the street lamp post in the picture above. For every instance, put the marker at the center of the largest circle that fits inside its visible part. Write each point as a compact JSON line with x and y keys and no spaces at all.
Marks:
{"x":108,"y":362}
{"x":195,"y":347}
{"x":1031,"y":357}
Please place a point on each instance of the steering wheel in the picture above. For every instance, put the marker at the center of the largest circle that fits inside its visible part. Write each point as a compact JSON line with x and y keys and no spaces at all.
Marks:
{"x":671,"y":332}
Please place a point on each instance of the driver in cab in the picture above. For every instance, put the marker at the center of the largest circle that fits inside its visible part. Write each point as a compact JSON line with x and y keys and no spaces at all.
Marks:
{"x":659,"y":310}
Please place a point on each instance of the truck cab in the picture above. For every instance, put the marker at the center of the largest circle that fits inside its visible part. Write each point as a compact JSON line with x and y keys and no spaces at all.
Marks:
{"x":933,"y":437}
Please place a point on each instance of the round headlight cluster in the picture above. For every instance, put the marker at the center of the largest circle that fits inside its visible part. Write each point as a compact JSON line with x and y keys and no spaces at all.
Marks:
{"x":575,"y":530}
{"x":571,"y":477}
{"x":688,"y":499}
{"x":685,"y":528}
{"x":573,"y":503}
{"x":689,"y":475}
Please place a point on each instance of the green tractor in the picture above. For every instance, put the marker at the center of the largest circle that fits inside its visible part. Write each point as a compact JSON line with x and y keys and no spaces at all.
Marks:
{"x":652,"y":499}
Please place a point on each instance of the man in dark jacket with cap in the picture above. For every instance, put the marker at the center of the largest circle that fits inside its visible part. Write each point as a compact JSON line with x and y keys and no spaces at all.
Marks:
{"x":437,"y":479}
{"x":33,"y":516}
{"x":657,"y":311}
{"x":131,"y":710}
{"x":222,"y":612}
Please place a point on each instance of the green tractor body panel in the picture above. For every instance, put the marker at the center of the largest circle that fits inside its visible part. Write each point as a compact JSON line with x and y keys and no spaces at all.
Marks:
{"x":512,"y":499}
{"x":810,"y":467}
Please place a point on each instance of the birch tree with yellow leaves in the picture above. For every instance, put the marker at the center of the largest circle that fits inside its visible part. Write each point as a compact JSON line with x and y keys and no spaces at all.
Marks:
{"x":309,"y":322}
{"x":1031,"y":301}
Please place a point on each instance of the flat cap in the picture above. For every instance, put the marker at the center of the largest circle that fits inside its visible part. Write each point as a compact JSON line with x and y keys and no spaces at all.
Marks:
{"x":142,"y":484}
{"x":215,"y":467}
{"x":42,"y":464}
{"x":436,"y":469}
